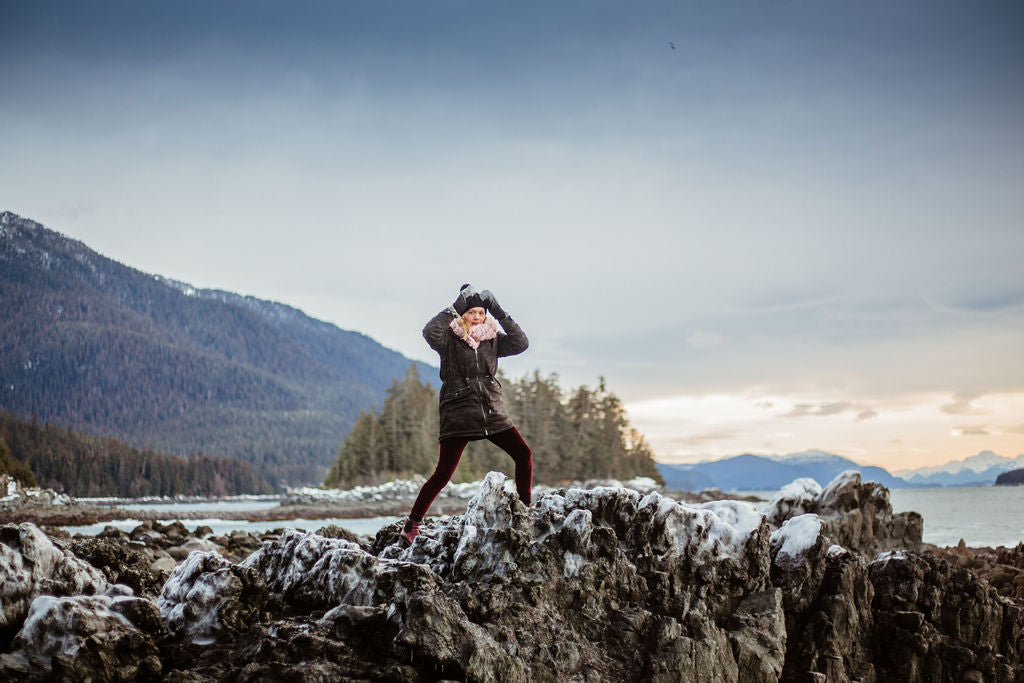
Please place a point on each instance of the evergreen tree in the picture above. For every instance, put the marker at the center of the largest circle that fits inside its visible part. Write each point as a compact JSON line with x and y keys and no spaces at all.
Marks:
{"x":585,"y":436}
{"x":18,"y":471}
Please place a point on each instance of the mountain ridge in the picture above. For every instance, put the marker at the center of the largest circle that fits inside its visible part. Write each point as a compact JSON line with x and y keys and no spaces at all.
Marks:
{"x":752,"y":472}
{"x":96,"y":345}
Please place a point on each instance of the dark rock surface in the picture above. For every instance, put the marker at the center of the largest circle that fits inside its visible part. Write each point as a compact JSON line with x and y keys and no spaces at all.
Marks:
{"x":586,"y":585}
{"x":1011,"y":478}
{"x":1002,"y":567}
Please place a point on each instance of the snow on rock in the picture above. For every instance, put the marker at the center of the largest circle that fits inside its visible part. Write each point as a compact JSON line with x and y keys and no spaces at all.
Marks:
{"x":499,"y":539}
{"x":31,"y":565}
{"x":856,"y":515}
{"x":889,"y":555}
{"x":110,"y":636}
{"x":795,"y":498}
{"x":12,"y":495}
{"x":207,"y":596}
{"x":795,"y":538}
{"x":740,"y":519}
{"x":319,"y":572}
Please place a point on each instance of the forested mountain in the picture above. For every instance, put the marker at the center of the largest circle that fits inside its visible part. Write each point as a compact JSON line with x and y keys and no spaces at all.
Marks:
{"x":86,"y":466}
{"x":92,"y":344}
{"x":582,"y":435}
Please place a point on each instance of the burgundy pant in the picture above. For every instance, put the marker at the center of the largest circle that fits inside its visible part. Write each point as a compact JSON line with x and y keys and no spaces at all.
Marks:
{"x":510,"y":441}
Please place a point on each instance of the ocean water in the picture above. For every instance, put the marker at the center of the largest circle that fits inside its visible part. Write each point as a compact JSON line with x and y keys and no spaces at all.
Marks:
{"x":980,"y":515}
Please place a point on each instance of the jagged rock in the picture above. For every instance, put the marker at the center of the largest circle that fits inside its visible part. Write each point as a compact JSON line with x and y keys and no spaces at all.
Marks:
{"x":938,"y":622}
{"x":81,"y":638}
{"x":568,"y":583}
{"x":855,"y":515}
{"x":207,"y":596}
{"x":122,"y":564}
{"x":32,"y":565}
{"x":827,"y":595}
{"x":601,"y":584}
{"x":1002,"y":567}
{"x":316,"y":572}
{"x":757,"y":632}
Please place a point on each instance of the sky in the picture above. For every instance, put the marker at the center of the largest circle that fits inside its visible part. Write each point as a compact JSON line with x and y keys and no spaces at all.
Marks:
{"x":770,"y":226}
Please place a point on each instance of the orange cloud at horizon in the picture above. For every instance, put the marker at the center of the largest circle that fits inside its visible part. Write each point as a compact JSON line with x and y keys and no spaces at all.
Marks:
{"x":896,"y":432}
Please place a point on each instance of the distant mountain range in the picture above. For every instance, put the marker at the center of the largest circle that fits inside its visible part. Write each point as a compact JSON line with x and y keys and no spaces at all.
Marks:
{"x":94,"y":345}
{"x":759,"y":472}
{"x":983,"y":468}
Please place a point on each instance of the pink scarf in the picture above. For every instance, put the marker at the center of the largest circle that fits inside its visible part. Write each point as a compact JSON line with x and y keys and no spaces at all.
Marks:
{"x":488,"y":329}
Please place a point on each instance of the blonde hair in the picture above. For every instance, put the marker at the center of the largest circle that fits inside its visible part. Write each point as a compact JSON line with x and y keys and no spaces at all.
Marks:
{"x":465,"y":325}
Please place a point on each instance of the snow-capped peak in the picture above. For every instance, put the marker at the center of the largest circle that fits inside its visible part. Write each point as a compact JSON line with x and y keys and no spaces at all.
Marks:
{"x":975,"y":463}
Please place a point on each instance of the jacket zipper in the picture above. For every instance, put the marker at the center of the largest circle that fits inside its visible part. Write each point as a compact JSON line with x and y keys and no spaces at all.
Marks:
{"x":476,"y":355}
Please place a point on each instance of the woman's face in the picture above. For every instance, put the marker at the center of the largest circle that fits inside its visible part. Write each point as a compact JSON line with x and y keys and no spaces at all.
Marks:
{"x":475,"y":316}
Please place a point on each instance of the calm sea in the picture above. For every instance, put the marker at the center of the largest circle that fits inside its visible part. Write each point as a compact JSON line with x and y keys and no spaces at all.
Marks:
{"x":982,"y":516}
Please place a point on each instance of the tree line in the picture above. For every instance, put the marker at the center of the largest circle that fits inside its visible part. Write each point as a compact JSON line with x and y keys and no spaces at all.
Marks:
{"x":82,"y":466}
{"x":581,"y":434}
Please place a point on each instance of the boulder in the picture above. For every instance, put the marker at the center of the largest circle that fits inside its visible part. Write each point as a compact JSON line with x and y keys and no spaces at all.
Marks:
{"x":31,"y":565}
{"x":207,"y":597}
{"x":122,"y":563}
{"x":108,"y":637}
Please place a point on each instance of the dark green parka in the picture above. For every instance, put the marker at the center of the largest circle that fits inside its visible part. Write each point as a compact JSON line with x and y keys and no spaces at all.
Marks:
{"x":470,"y":404}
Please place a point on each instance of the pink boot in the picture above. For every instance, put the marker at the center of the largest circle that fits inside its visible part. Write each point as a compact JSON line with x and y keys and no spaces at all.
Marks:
{"x":410,"y":532}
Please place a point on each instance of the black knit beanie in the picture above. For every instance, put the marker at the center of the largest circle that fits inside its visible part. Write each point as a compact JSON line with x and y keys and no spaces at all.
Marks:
{"x":473,"y":300}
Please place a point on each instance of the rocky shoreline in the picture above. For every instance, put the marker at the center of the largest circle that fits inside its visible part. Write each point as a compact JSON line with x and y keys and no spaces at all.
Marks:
{"x":606,"y":583}
{"x":49,"y":509}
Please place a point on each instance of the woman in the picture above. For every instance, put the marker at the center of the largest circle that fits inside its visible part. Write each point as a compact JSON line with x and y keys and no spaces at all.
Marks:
{"x":467,"y":337}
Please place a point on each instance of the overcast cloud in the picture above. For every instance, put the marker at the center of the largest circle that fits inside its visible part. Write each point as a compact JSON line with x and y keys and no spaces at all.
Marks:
{"x":815,"y":205}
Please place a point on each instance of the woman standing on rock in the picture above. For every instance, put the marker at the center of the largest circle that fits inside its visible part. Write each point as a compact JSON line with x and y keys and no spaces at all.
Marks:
{"x":467,"y":337}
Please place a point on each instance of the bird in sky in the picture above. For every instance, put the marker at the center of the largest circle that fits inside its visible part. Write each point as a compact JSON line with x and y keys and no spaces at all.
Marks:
{"x":672,"y":45}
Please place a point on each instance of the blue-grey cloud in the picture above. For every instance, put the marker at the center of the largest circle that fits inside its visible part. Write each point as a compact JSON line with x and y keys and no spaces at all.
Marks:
{"x":793,"y":178}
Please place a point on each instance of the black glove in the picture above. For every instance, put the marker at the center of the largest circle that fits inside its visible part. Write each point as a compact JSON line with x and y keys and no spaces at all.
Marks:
{"x":492,"y":305}
{"x":467,"y":299}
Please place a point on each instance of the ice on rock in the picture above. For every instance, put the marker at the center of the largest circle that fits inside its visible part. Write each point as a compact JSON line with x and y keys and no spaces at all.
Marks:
{"x":56,"y":625}
{"x":836,"y":550}
{"x":795,"y":537}
{"x":321,"y":572}
{"x":195,"y":594}
{"x":30,"y":565}
{"x":795,"y":498}
{"x":885,"y":557}
{"x":207,"y":597}
{"x":489,"y":520}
